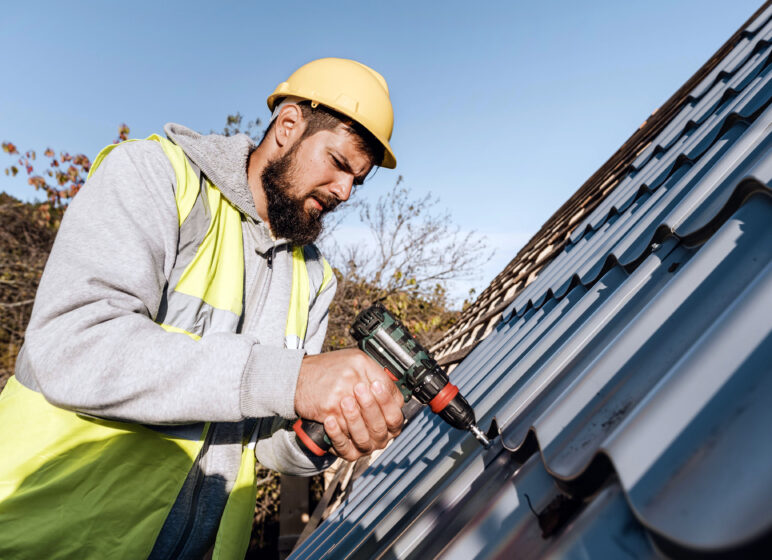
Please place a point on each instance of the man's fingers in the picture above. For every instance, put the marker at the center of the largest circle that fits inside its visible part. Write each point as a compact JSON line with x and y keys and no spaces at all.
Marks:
{"x":392,"y":413}
{"x":372,"y":414}
{"x":355,"y":395}
{"x":357,"y":428}
{"x":325,"y":379}
{"x":340,"y":441}
{"x":375,"y":372}
{"x":391,"y":389}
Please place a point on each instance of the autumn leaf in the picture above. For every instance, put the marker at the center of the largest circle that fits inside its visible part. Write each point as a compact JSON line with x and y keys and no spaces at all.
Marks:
{"x":82,"y":161}
{"x":37,"y":181}
{"x":123,"y":133}
{"x":66,"y":182}
{"x":72,"y":173}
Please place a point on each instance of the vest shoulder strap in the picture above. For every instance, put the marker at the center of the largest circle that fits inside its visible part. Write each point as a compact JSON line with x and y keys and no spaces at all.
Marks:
{"x":319,"y":270}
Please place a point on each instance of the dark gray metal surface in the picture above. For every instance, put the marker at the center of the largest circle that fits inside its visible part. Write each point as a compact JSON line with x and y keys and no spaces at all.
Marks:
{"x":631,"y":381}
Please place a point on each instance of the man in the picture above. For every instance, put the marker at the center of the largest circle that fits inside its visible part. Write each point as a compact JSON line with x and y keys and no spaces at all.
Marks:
{"x":177,"y":327}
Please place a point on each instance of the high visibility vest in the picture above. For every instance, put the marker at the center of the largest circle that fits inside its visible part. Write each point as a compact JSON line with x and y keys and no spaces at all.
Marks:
{"x":76,"y":486}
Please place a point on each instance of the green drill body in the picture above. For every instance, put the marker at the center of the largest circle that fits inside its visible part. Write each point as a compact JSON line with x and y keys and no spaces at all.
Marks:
{"x":417,"y":375}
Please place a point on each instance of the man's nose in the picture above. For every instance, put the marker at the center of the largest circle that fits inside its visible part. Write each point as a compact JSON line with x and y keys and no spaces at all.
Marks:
{"x":342,"y":186}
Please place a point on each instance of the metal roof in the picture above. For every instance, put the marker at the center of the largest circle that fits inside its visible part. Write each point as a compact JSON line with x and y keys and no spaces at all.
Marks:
{"x":630,"y":381}
{"x":479,"y":319}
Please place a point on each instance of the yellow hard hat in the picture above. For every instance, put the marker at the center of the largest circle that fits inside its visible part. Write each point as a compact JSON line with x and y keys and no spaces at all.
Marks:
{"x":349,"y":87}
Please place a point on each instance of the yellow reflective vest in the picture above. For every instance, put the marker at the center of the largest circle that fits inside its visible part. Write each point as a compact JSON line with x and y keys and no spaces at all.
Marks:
{"x":120,"y":480}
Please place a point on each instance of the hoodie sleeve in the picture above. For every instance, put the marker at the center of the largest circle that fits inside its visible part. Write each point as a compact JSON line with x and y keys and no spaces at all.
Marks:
{"x":280,"y":452}
{"x":91,"y":344}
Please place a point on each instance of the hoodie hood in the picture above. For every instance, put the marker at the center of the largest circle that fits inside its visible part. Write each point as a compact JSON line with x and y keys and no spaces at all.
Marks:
{"x":223,"y":159}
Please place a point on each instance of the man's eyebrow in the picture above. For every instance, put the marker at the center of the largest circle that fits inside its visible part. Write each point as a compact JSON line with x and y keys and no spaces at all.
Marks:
{"x":344,"y":162}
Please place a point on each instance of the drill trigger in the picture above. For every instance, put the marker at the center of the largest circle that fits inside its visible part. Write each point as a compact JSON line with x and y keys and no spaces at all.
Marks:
{"x":393,"y":377}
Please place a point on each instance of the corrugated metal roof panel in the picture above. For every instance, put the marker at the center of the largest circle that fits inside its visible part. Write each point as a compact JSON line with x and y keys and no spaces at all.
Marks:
{"x":630,"y":381}
{"x":653,"y":162}
{"x":606,"y":406}
{"x":704,"y":184}
{"x":680,"y":111}
{"x":508,"y":528}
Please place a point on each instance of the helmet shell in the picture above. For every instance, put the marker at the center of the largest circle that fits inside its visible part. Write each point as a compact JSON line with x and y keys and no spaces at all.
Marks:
{"x":349,"y":87}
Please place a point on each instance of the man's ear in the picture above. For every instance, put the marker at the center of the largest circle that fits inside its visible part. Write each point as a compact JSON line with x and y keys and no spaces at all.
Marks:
{"x":289,"y":125}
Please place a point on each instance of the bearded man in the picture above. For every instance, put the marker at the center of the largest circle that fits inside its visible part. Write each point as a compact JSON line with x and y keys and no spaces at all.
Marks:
{"x":177,"y":329}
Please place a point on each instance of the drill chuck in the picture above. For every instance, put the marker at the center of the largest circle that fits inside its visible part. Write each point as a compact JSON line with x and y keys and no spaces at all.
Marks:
{"x":458,"y":413}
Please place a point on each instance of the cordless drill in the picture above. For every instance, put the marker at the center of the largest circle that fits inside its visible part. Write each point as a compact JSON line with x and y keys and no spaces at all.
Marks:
{"x":387,"y":341}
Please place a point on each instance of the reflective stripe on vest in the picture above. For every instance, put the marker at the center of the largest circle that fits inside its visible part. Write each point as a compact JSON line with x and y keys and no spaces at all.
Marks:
{"x":297,"y":318}
{"x":58,"y":454}
{"x":206,"y":285}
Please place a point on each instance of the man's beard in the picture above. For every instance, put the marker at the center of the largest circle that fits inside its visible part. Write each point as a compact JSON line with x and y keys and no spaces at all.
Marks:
{"x":287,"y":214}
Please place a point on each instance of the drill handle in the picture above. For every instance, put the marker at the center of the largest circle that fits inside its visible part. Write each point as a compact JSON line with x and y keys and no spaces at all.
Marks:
{"x":312,"y":436}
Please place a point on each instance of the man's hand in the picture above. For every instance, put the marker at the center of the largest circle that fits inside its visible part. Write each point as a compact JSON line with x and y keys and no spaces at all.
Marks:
{"x":358,"y":403}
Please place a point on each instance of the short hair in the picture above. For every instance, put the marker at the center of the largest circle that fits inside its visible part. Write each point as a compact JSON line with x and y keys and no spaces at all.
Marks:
{"x":322,"y":117}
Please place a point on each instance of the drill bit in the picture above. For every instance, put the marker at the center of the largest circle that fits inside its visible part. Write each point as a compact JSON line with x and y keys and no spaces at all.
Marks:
{"x":478,"y":433}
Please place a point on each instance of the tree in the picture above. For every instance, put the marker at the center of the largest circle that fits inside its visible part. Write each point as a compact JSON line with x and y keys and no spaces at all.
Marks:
{"x":64,"y":183}
{"x":233,"y":125}
{"x":24,"y":248}
{"x":415,"y":252}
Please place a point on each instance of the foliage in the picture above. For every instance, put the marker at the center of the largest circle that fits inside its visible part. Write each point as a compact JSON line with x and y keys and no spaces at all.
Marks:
{"x":233,"y":125}
{"x":265,"y":528}
{"x":415,"y":252}
{"x":24,"y":247}
{"x":427,"y":316}
{"x":58,"y":184}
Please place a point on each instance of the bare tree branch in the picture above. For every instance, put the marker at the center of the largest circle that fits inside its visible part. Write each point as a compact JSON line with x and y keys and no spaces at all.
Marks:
{"x":414,"y":245}
{"x":17,"y":304}
{"x":414,"y":252}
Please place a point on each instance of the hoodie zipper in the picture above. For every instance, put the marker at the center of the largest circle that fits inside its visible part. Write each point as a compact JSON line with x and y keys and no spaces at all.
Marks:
{"x":260,"y":289}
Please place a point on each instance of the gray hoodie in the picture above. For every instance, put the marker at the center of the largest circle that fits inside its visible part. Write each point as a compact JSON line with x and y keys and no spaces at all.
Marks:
{"x":92,"y":346}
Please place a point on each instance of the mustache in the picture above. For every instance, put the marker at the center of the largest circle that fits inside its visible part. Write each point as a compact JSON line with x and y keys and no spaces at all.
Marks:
{"x":329,"y":202}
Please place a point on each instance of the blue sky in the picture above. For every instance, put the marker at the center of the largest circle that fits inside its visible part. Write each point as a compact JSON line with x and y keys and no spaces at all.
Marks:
{"x":503,"y":109}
